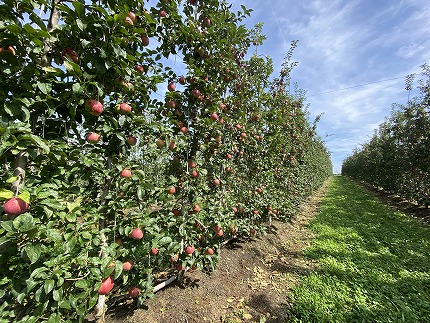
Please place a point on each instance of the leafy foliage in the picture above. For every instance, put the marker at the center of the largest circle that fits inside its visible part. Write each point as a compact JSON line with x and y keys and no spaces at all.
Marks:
{"x":397,"y":157}
{"x":150,"y":162}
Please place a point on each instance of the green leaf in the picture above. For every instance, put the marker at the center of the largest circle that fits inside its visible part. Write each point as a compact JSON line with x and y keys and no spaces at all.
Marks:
{"x":79,"y":8}
{"x":45,"y":88}
{"x":54,"y":318}
{"x":24,"y":223}
{"x":33,"y":252}
{"x":49,"y":285}
{"x":5,"y":194}
{"x":165,"y":240}
{"x":77,"y":89}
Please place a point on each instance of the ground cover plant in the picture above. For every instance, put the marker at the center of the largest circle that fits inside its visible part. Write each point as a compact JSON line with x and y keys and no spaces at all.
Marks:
{"x":137,"y":137}
{"x":373,"y":262}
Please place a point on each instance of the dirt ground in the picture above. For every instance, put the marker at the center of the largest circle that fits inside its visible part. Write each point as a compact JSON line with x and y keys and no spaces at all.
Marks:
{"x":252,"y":281}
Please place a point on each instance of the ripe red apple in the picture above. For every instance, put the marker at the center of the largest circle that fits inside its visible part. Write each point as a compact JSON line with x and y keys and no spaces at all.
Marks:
{"x":252,"y":231}
{"x":132,"y":16}
{"x":182,"y":80}
{"x":195,"y":174}
{"x":171,"y":87}
{"x":134,"y":292}
{"x":172,"y":190}
{"x":214,"y":116}
{"x":162,"y":14}
{"x":128,"y":21}
{"x":174,"y":258}
{"x":154,"y":251}
{"x":189,"y":250}
{"x":184,"y":130}
{"x":192,"y":164}
{"x":229,"y":156}
{"x":209,"y":251}
{"x":123,"y":108}
{"x":9,"y":49}
{"x":160,"y":143}
{"x":15,"y":206}
{"x":127,"y":265}
{"x":139,"y":68}
{"x":219,"y":233}
{"x":195,"y":93}
{"x":171,"y":104}
{"x":243,"y":134}
{"x":206,"y":22}
{"x":216,"y":182}
{"x":221,"y":120}
{"x":107,"y":285}
{"x":238,"y":127}
{"x":217,"y":227}
{"x":196,"y":208}
{"x":176,"y":212}
{"x":131,"y":140}
{"x":66,"y":52}
{"x":126,"y":173}
{"x":92,"y":137}
{"x":172,"y":145}
{"x":145,"y":39}
{"x":235,"y":209}
{"x":96,"y":108}
{"x":255,"y":212}
{"x":136,"y":234}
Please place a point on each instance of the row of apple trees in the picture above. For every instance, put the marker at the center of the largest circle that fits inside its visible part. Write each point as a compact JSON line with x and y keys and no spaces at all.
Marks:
{"x":397,"y":158}
{"x":136,"y":138}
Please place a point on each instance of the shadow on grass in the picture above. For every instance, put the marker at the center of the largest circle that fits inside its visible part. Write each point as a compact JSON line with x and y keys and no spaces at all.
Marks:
{"x":375,"y":262}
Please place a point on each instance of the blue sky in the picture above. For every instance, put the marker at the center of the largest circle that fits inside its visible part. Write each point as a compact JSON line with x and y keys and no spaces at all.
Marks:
{"x":344,"y":44}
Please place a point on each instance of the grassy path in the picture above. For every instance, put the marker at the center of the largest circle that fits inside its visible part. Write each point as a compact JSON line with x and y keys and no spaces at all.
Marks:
{"x":374,"y":262}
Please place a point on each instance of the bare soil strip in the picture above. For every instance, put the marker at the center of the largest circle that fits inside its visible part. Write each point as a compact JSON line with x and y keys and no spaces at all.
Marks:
{"x":252,"y":281}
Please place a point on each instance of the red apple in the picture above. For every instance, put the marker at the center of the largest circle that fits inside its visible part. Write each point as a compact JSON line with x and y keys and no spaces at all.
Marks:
{"x":172,"y":145}
{"x":189,"y":250}
{"x":134,"y":292}
{"x":171,"y":104}
{"x":172,"y":190}
{"x":214,"y":116}
{"x":196,"y":208}
{"x":132,"y":16}
{"x":92,"y":137}
{"x":96,"y":108}
{"x":15,"y":206}
{"x":216,"y":182}
{"x":127,"y":265}
{"x":184,"y":130}
{"x":238,"y":127}
{"x":126,"y":173}
{"x":176,"y":212}
{"x":217,"y":227}
{"x":171,"y":87}
{"x":252,"y":231}
{"x":131,"y":140}
{"x":139,"y":68}
{"x":154,"y":251}
{"x":162,"y":14}
{"x":255,"y":212}
{"x":243,"y":134}
{"x":209,"y":251}
{"x":195,"y":174}
{"x":128,"y":21}
{"x":219,"y":233}
{"x":160,"y":143}
{"x":136,"y":234}
{"x":192,"y":164}
{"x":123,"y":108}
{"x":145,"y":39}
{"x":229,"y":156}
{"x":107,"y":285}
{"x":67,"y":52}
{"x":235,"y":209}
{"x":174,"y":258}
{"x":195,"y":93}
{"x":206,"y":22}
{"x":182,"y":80}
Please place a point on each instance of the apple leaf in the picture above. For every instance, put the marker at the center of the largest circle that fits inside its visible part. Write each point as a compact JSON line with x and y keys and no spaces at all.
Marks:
{"x":5,"y":194}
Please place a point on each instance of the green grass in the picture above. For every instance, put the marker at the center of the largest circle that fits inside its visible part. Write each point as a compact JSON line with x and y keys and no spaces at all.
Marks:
{"x":374,"y":262}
